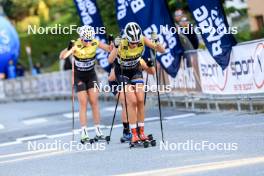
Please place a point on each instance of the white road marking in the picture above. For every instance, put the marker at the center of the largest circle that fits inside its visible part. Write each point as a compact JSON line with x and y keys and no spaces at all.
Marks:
{"x":249,"y":125}
{"x":10,"y":143}
{"x":151,"y":119}
{"x":34,"y":121}
{"x":76,"y":114}
{"x":179,"y":116}
{"x":33,"y":157}
{"x":76,"y":131}
{"x":2,"y":127}
{"x":59,"y":135}
{"x":28,"y":138}
{"x":115,"y":126}
{"x":201,"y":167}
{"x":112,"y":109}
{"x":26,"y":153}
{"x":197,"y":124}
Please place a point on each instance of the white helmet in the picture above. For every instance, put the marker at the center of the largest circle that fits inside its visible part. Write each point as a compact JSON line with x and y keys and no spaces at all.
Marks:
{"x":86,"y":32}
{"x":133,"y":32}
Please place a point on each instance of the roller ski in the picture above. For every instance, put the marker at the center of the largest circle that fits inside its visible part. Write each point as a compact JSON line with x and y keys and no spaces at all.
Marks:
{"x":85,"y":138}
{"x":100,"y":138}
{"x":99,"y":135}
{"x":140,"y":140}
{"x":146,"y":139}
{"x":126,"y":137}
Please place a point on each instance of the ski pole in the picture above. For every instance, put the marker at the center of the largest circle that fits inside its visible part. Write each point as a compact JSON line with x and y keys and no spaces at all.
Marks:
{"x":124,"y":90}
{"x":73,"y":97}
{"x":145,"y":97}
{"x":108,"y":138}
{"x":157,"y":81}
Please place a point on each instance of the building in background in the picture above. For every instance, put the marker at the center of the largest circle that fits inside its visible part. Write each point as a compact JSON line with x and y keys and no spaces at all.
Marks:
{"x":234,"y":19}
{"x":256,"y":13}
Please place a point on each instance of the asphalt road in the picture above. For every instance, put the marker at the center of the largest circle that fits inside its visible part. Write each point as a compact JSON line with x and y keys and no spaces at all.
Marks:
{"x":195,"y":144}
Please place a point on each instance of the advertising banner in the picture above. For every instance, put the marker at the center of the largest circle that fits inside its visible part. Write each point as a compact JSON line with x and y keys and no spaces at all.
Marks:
{"x":244,"y":74}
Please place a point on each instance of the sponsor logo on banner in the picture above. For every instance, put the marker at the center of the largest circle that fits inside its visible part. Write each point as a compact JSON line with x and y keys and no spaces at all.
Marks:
{"x":211,"y":71}
{"x":244,"y":74}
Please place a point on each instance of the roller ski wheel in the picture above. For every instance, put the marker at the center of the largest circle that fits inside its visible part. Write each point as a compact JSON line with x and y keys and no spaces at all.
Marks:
{"x":153,"y":143}
{"x":144,"y":144}
{"x":150,"y":137}
{"x":135,"y":144}
{"x":107,"y":138}
{"x":100,"y":138}
{"x":85,"y":141}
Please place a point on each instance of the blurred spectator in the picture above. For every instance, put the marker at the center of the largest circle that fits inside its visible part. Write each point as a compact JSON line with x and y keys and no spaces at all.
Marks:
{"x":177,"y":15}
{"x":188,"y":37}
{"x":20,"y":70}
{"x":36,"y":69}
{"x":188,"y":31}
{"x":11,"y":70}
{"x":2,"y":76}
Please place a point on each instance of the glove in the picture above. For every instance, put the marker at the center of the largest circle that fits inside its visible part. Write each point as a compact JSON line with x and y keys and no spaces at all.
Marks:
{"x":155,"y":37}
{"x":71,"y":44}
{"x":150,"y":62}
{"x":117,"y":41}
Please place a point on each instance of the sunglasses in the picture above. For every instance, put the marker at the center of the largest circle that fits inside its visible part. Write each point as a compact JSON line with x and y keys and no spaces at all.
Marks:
{"x":134,"y":43}
{"x":86,"y":41}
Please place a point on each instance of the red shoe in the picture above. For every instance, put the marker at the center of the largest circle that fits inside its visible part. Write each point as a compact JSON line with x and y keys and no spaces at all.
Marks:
{"x":142,"y":135}
{"x":135,"y":137}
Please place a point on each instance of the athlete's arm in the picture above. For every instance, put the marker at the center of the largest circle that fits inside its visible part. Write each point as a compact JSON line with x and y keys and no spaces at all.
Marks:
{"x":66,"y":53}
{"x":154,"y":46}
{"x":112,"y":55}
{"x":144,"y":66}
{"x":105,"y":47}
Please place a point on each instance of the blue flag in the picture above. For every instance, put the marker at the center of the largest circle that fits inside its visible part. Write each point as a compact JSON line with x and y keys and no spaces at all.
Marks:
{"x":90,"y":15}
{"x":210,"y":18}
{"x":153,"y":16}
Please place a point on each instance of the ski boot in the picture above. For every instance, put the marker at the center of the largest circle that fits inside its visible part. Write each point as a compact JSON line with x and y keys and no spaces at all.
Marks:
{"x":126,"y":137}
{"x":146,"y":139}
{"x":99,"y":135}
{"x":135,"y":140}
{"x":85,"y":138}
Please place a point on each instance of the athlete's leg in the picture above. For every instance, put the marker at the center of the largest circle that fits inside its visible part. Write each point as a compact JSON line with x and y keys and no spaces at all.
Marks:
{"x":93,"y":100}
{"x":130,"y":104}
{"x":82,"y":99}
{"x":139,"y":92}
